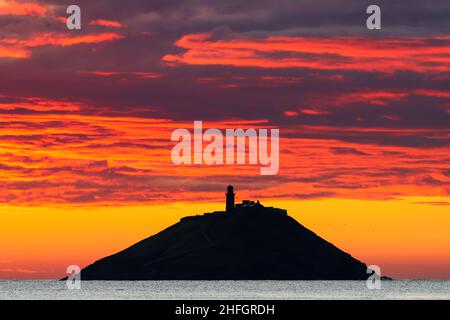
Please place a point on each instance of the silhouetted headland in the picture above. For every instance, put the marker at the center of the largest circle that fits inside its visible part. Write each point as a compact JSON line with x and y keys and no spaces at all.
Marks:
{"x":246,"y":242}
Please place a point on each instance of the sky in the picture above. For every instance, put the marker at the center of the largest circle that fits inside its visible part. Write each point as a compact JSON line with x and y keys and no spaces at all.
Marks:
{"x":86,"y":118}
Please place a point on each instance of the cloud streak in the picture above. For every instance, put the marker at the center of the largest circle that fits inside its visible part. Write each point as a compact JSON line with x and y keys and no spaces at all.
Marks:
{"x":21,"y":48}
{"x":430,"y":54}
{"x":16,"y":8}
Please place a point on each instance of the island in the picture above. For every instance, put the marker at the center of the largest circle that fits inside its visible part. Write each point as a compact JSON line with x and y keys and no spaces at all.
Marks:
{"x":247,"y":241}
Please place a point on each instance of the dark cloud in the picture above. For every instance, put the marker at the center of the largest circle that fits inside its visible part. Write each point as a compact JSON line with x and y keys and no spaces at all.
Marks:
{"x":267,"y":15}
{"x":342,"y":150}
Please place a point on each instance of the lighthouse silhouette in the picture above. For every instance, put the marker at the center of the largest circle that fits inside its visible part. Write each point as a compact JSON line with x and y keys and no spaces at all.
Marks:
{"x":230,"y":199}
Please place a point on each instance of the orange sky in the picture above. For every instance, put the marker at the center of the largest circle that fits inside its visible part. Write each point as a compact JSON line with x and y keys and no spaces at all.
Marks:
{"x":40,"y":242}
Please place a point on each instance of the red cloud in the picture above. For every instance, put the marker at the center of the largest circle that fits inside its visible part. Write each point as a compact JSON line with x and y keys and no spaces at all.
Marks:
{"x":289,"y":113}
{"x":314,"y":112}
{"x":64,"y":40}
{"x":22,"y":9}
{"x":124,"y":75}
{"x":21,"y":48}
{"x":106,"y":23}
{"x":13,"y":52}
{"x":419,"y":54}
{"x":68,"y":157}
{"x":433,"y":93}
{"x":381,"y":98}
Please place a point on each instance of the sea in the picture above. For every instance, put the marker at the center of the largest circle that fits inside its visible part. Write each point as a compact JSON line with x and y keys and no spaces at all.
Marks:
{"x":224,"y":290}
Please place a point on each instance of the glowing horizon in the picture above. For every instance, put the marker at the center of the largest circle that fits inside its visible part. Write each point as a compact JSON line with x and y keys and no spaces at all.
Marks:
{"x":401,"y":255}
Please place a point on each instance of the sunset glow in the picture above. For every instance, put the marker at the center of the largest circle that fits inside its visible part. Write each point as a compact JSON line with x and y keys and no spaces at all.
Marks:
{"x":86,"y":119}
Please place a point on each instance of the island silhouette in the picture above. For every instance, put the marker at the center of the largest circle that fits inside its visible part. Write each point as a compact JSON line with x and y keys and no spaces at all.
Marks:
{"x":247,"y":241}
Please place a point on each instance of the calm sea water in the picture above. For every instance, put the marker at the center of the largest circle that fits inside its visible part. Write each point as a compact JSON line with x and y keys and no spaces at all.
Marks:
{"x":229,"y":290}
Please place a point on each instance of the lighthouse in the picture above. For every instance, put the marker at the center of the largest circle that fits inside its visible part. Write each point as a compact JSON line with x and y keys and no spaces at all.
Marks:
{"x":230,"y":199}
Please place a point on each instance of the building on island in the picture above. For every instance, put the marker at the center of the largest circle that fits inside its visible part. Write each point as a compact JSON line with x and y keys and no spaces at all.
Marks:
{"x":231,"y":206}
{"x":230,"y":199}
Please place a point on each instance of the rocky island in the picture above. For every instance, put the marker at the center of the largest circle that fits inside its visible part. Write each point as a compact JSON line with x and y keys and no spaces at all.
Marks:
{"x":248,"y":241}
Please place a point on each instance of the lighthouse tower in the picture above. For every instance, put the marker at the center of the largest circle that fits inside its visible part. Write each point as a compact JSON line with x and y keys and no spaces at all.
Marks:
{"x":230,"y":199}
